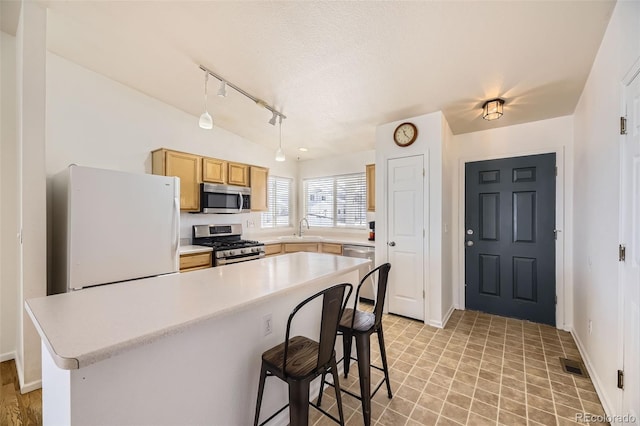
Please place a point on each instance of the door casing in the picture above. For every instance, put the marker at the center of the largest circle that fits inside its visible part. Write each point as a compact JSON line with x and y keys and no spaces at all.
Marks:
{"x":565,"y":303}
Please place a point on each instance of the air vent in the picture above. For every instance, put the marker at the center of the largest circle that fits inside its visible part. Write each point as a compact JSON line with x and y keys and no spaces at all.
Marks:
{"x":574,"y":367}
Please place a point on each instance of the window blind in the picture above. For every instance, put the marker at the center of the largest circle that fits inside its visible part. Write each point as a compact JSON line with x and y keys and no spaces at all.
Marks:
{"x":279,"y":202}
{"x":336,"y":201}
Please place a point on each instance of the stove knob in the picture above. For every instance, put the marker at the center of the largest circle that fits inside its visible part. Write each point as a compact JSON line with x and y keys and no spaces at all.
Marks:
{"x":243,"y":251}
{"x":255,"y":249}
{"x":227,"y":253}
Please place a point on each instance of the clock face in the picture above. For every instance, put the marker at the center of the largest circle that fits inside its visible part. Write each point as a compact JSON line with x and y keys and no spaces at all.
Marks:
{"x":405,"y":134}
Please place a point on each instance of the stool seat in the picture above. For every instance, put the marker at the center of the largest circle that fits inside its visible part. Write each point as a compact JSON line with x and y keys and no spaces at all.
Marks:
{"x":364,"y":321}
{"x":302,"y":358}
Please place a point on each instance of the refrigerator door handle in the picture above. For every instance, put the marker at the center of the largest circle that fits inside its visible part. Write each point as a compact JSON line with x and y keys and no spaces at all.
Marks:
{"x":241,"y":202}
{"x":176,"y":229}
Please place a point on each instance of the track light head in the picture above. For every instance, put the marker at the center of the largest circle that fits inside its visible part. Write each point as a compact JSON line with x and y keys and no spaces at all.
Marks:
{"x":273,"y":119}
{"x":222,"y":91}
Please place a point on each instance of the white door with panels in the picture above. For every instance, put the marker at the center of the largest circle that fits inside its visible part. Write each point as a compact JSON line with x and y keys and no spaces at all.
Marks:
{"x":630,"y":253}
{"x":405,"y":243}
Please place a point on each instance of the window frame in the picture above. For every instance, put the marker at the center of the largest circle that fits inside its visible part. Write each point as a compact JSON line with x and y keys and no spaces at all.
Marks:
{"x":271,"y":203}
{"x":335,"y":202}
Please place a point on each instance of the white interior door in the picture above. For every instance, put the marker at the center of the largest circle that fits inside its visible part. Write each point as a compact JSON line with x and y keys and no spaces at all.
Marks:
{"x":631,"y":239}
{"x":405,"y":245}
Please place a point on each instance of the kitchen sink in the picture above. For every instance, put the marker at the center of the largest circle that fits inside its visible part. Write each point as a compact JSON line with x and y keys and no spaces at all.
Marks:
{"x":301,"y":238}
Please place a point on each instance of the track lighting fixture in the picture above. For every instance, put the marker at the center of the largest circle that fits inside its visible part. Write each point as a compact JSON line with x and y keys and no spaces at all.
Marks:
{"x":206,"y":121}
{"x":279,"y":152}
{"x":222,"y":91}
{"x":273,"y":119}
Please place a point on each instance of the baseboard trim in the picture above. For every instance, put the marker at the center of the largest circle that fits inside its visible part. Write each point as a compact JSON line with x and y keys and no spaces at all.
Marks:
{"x":8,"y":356}
{"x":443,"y":322}
{"x":31,"y":386}
{"x":597,"y":383}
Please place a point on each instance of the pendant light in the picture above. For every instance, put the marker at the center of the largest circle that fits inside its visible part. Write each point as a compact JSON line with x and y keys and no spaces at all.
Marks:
{"x":206,"y":121}
{"x":222,"y":90}
{"x":280,"y":153}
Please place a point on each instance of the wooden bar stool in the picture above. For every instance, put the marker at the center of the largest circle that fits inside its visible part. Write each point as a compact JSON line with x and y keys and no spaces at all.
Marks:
{"x":361,"y":325}
{"x":299,"y":360}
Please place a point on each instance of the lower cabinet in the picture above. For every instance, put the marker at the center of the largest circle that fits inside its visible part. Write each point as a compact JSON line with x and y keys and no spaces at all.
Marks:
{"x":282,"y":248}
{"x":194,"y":261}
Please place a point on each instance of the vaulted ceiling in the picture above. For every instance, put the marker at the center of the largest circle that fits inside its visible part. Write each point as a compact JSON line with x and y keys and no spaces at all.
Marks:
{"x":339,"y":69}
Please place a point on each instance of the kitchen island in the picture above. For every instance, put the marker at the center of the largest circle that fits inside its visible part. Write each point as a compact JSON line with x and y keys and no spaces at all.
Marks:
{"x":180,"y":348}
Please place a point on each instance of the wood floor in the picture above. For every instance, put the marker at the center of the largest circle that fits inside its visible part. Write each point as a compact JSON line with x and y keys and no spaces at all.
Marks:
{"x":17,"y":409}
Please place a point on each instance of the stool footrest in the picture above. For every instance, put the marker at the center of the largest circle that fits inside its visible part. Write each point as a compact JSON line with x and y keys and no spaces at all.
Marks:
{"x":324,"y":412}
{"x":358,"y":396}
{"x":273,"y":415}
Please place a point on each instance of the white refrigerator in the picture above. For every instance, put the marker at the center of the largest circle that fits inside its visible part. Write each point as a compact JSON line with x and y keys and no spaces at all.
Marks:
{"x":111,"y":226}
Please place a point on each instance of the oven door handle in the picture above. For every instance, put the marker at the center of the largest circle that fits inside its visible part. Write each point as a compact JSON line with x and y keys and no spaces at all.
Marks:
{"x":241,"y":202}
{"x":221,"y":262}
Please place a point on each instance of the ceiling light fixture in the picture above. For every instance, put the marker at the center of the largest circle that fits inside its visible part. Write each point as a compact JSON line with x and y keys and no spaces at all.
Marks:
{"x":492,"y":110}
{"x":206,"y":121}
{"x":222,"y":91}
{"x":273,"y":119}
{"x":279,"y":152}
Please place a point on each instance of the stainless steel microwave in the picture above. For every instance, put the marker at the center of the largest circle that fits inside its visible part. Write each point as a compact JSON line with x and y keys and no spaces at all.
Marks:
{"x":224,"y":198}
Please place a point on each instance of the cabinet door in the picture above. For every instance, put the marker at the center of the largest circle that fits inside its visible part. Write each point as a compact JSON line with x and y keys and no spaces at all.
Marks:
{"x":332,"y":248}
{"x":371,"y":187}
{"x":214,"y":170}
{"x":194,"y":261}
{"x":238,"y":174}
{"x":272,"y":249}
{"x":185,"y":166}
{"x":259,"y":176}
{"x":296,"y":247}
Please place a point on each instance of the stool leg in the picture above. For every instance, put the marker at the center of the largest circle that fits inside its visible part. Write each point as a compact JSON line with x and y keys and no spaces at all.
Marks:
{"x":383,"y":355}
{"x":298,"y":403}
{"x":346,"y":348}
{"x":364,"y":368}
{"x":336,"y":383}
{"x":324,"y":375}
{"x":263,"y":376}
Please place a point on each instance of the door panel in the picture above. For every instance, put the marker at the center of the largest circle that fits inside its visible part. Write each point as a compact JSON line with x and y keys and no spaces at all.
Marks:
{"x":630,"y":230}
{"x":510,"y":241}
{"x":406,"y":224}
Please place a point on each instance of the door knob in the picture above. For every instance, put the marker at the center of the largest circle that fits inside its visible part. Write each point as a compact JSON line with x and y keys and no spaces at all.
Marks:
{"x":469,"y":243}
{"x":392,"y":243}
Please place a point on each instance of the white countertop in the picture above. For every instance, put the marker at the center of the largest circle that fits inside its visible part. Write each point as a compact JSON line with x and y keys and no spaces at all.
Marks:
{"x":360,"y":241}
{"x":90,"y":325}
{"x":191,"y":249}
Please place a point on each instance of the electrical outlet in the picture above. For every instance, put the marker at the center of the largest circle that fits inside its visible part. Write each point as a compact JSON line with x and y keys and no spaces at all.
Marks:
{"x":250,"y":223}
{"x":267,"y":325}
{"x":590,"y":326}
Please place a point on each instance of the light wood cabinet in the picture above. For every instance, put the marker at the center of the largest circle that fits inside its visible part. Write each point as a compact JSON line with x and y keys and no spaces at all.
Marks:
{"x":296,"y":247}
{"x":272,"y":249}
{"x":332,"y":248}
{"x":214,"y":170}
{"x":238,"y":174}
{"x":259,"y":200}
{"x":195,"y":261}
{"x":185,"y":166}
{"x":371,"y":187}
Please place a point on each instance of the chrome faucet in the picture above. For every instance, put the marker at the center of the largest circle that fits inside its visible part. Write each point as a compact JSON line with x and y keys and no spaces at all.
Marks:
{"x":304,"y":219}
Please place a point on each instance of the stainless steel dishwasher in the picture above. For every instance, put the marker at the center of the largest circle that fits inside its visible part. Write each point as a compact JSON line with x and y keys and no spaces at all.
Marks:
{"x":363,"y":252}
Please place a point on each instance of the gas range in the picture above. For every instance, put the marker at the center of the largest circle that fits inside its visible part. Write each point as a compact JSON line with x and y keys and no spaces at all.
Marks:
{"x":227,"y":245}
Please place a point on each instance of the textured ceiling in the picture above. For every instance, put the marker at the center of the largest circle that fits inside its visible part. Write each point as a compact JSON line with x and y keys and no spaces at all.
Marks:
{"x":339,"y":69}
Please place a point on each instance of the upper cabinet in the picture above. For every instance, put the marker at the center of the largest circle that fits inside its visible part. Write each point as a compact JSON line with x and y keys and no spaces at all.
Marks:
{"x":259,"y":177}
{"x":185,"y":166}
{"x":238,"y":174}
{"x":214,"y":170}
{"x":371,"y":187}
{"x":195,"y":169}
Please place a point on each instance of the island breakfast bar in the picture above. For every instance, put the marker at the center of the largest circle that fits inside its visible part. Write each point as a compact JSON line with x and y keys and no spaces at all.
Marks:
{"x":180,"y":348}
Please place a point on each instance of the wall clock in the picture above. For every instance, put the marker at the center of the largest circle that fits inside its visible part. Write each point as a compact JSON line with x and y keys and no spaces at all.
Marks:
{"x":405,"y":134}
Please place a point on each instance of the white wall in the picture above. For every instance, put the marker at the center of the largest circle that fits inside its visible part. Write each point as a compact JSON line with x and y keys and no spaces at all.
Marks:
{"x":596,"y":202}
{"x":9,"y":195}
{"x":31,"y":184}
{"x":554,"y":135}
{"x":429,"y":143}
{"x":95,"y":121}
{"x":329,"y":166}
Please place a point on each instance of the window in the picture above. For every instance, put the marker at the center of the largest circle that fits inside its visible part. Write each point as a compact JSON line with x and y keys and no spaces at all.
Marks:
{"x":279,"y":201}
{"x":336,"y":201}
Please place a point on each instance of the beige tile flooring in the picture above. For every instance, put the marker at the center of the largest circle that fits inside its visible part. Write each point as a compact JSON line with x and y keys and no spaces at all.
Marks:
{"x":479,"y":370}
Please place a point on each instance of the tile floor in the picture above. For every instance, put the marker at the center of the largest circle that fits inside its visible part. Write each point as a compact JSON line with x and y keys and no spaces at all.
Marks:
{"x":479,"y":370}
